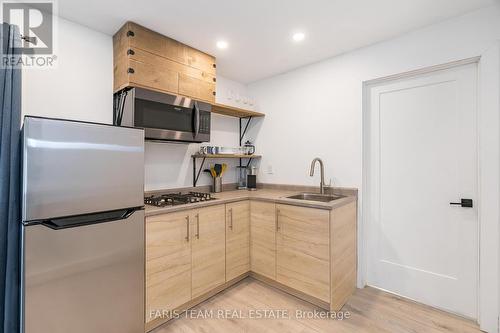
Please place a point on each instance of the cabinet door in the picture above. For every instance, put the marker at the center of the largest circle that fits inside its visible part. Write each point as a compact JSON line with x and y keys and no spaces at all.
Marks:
{"x":168,"y":263}
{"x":197,"y":59}
{"x":196,"y":88}
{"x":263,"y":238}
{"x":303,"y":246}
{"x":150,"y":76}
{"x":237,"y":239}
{"x":156,"y":43}
{"x":208,"y":249}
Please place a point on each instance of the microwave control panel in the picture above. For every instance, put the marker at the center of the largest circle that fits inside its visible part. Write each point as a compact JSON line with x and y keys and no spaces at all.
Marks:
{"x":205,"y":122}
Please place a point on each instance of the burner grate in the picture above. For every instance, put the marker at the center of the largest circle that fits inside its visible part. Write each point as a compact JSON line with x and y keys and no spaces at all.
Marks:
{"x":173,"y":199}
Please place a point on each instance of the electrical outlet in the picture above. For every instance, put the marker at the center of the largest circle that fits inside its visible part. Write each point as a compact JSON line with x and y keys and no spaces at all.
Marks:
{"x":269,"y":169}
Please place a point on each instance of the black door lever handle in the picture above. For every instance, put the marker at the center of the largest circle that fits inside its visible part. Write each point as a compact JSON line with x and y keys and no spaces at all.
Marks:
{"x":464,"y":203}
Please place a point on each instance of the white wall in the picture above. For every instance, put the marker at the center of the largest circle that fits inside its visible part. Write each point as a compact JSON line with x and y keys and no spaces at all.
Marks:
{"x":81,"y":86}
{"x":317,"y":111}
{"x":233,"y":93}
{"x":169,"y":165}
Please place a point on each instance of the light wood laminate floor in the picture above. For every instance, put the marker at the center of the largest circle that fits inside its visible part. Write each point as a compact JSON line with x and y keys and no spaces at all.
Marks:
{"x":370,"y":310}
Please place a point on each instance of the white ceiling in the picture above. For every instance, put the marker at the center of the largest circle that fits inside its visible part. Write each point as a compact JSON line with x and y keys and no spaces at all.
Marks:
{"x":259,"y":31}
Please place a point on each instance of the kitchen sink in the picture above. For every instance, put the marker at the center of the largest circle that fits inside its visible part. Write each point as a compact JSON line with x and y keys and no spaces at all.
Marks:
{"x":316,"y":197}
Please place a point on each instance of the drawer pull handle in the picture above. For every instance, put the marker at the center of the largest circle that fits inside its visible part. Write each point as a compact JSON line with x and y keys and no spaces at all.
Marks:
{"x":277,"y":220}
{"x":231,"y":218}
{"x":198,"y":226}
{"x":187,"y":228}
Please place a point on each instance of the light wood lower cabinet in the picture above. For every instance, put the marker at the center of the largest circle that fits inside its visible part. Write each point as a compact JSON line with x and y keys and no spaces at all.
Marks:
{"x":191,"y":255}
{"x":168,"y":263}
{"x":263,"y":238}
{"x":208,"y":249}
{"x":237,"y":239}
{"x":303,"y":250}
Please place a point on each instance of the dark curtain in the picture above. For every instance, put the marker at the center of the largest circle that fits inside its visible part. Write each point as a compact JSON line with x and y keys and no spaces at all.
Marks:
{"x":10,"y":207}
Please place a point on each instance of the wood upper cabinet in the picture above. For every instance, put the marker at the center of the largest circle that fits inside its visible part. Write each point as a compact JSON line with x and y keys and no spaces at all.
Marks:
{"x":144,"y":58}
{"x":303,"y":250}
{"x":208,"y":249}
{"x":237,"y":239}
{"x":263,"y":238}
{"x":168,"y":263}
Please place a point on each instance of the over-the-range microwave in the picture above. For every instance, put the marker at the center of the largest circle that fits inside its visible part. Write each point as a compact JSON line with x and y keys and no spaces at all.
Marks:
{"x":164,"y":117}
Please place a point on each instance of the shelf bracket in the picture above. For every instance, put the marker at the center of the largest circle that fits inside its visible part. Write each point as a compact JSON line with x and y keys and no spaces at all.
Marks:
{"x":196,"y":174}
{"x":242,"y":133}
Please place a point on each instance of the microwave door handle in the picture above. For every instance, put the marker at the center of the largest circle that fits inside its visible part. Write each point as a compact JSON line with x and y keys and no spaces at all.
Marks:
{"x":196,"y":123}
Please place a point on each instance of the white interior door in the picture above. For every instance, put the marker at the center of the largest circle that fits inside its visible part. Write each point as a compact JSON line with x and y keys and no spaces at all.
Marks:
{"x":422,"y":156}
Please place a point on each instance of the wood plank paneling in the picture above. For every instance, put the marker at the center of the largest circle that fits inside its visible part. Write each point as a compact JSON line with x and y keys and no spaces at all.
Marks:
{"x":156,"y":58}
{"x":147,"y":75}
{"x":161,"y":62}
{"x":197,"y":59}
{"x":195,"y":88}
{"x":154,"y":42}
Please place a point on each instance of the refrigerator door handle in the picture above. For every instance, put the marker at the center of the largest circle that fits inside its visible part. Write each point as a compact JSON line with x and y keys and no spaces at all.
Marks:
{"x":86,"y":219}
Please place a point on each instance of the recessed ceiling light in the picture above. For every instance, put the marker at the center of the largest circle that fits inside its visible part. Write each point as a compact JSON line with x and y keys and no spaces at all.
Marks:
{"x":298,"y":36}
{"x":222,"y":44}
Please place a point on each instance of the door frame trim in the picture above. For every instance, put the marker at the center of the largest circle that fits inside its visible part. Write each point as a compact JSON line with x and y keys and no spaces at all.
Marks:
{"x":488,"y":149}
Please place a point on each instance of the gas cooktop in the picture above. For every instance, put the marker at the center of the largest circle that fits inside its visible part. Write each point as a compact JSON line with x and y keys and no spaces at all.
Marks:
{"x":173,"y":199}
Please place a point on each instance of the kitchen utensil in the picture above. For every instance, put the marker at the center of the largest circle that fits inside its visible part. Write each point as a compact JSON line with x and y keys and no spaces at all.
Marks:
{"x":218,"y":170}
{"x":224,"y":168}
{"x":212,"y":172}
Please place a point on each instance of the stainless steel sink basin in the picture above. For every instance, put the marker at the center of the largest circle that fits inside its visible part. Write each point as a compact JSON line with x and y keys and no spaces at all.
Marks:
{"x":316,"y":197}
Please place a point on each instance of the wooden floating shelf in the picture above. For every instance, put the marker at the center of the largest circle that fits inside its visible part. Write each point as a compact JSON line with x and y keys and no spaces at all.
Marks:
{"x":234,"y":111}
{"x":225,"y":156}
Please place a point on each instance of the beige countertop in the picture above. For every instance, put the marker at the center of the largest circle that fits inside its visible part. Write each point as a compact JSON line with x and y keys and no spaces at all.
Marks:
{"x":270,"y":195}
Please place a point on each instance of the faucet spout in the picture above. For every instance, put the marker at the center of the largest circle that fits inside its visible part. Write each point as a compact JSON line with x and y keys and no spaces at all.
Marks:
{"x":322,"y":170}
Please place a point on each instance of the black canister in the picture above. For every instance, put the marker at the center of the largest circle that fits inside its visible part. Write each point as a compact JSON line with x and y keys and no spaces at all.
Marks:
{"x":252,"y":178}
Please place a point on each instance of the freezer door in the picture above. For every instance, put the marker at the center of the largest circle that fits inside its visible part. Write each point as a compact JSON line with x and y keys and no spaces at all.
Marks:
{"x":73,"y":168}
{"x":84,"y":279}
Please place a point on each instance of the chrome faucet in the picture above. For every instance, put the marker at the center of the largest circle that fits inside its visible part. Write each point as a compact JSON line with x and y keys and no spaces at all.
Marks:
{"x":322,"y":184}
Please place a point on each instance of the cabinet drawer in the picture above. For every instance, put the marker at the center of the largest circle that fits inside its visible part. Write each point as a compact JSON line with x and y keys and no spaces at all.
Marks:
{"x":150,"y":76}
{"x":195,"y":88}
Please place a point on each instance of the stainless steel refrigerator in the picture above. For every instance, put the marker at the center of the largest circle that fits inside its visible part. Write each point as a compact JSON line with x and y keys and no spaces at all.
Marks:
{"x":83,"y":227}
